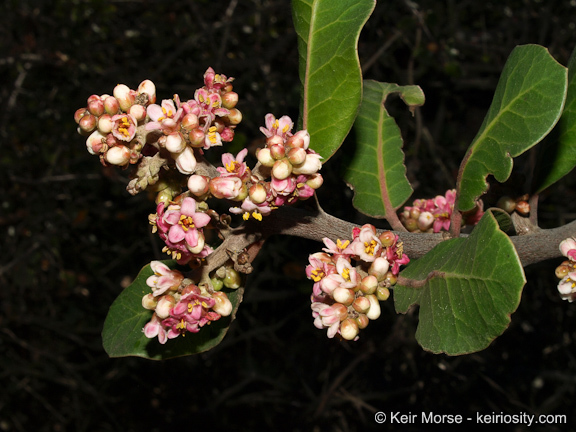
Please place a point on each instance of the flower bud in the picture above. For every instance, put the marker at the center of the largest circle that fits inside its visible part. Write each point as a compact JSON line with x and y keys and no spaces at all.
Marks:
{"x":362,"y":321}
{"x":95,"y":105}
{"x":567,"y":245}
{"x":105,"y":124}
{"x":87,"y":123}
{"x":300,"y":139}
{"x":340,"y":311}
{"x":369,"y":284}
{"x":264,"y":157}
{"x":411,"y":224}
{"x":174,"y":143}
{"x":274,"y":139}
{"x":374,"y":311}
{"x":507,"y":204}
{"x":149,"y":88}
{"x":226,"y":187}
{"x":95,"y":142}
{"x":223,"y":305}
{"x":197,"y":137}
{"x":387,"y":238}
{"x":186,"y":161}
{"x":149,"y":302}
{"x":379,"y":268}
{"x":349,"y":329}
{"x":562,"y":271}
{"x":415,"y":213}
{"x":198,"y":184}
{"x":281,"y":169}
{"x":111,"y":105}
{"x":382,"y":293}
{"x":297,"y":156}
{"x":217,"y":284}
{"x":199,"y":246}
{"x":361,"y":305}
{"x":257,"y":193}
{"x":311,"y":165}
{"x":425,"y":221}
{"x":190,"y":121}
{"x":138,"y":111}
{"x":118,"y":155}
{"x":234,"y":117}
{"x":232,"y":279}
{"x":277,"y":151}
{"x":229,"y":100}
{"x":80,"y":112}
{"x":343,"y":295}
{"x":164,"y":196}
{"x":315,"y":181}
{"x":165,"y":305}
{"x":523,"y":208}
{"x":125,"y":96}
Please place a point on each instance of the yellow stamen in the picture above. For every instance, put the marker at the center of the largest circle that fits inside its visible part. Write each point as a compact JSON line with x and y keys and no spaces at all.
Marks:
{"x":341,"y":245}
{"x":246,"y":216}
{"x":369,"y":247}
{"x":317,"y":275}
{"x":186,"y":222}
{"x":346,"y":274}
{"x":181,"y":325}
{"x":257,"y":215}
{"x":231,"y":167}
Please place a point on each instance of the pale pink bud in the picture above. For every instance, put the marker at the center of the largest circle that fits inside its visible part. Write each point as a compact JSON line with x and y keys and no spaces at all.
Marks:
{"x":186,"y":161}
{"x":311,"y":165}
{"x":223,"y":305}
{"x":300,"y":139}
{"x":105,"y":124}
{"x":567,"y":245}
{"x":95,"y":105}
{"x":118,"y":155}
{"x":369,"y":284}
{"x":198,"y":184}
{"x":111,"y":105}
{"x":80,"y":112}
{"x":274,"y":139}
{"x":138,"y":111}
{"x":125,"y":96}
{"x":234,"y":117}
{"x":362,"y":321}
{"x":343,"y":295}
{"x":165,"y":305}
{"x":174,"y":143}
{"x":379,"y":268}
{"x":340,"y":311}
{"x":361,"y":304}
{"x":87,"y":123}
{"x":265,"y":158}
{"x":374,"y":311}
{"x":190,"y":121}
{"x":225,"y":187}
{"x":349,"y":329}
{"x":197,"y":137}
{"x":297,"y":156}
{"x":149,"y":302}
{"x":229,"y":100}
{"x":277,"y":151}
{"x":257,"y":193}
{"x":315,"y":181}
{"x":282,"y":169}
{"x":149,"y":88}
{"x":95,"y":142}
{"x":425,"y":221}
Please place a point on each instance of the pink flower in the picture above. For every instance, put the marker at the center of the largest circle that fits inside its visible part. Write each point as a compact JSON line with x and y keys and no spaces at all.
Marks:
{"x":326,"y":316}
{"x":250,"y":209}
{"x":320,"y":266}
{"x":155,"y":328}
{"x":283,"y":187}
{"x":216,"y":81}
{"x":124,"y":127}
{"x":163,"y":278}
{"x":281,"y":127}
{"x":568,"y":248}
{"x":234,"y":166}
{"x":443,"y":211}
{"x":164,"y":117}
{"x":338,"y":249}
{"x":567,"y":287}
{"x":179,"y":226}
{"x":366,"y":245}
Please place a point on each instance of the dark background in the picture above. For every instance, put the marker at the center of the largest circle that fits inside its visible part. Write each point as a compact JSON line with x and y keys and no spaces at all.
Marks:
{"x":72,"y":237}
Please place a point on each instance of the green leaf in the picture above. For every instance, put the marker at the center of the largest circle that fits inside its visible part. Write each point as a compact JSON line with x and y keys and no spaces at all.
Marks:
{"x":526,"y":106}
{"x":471,"y":286}
{"x":558,"y":156}
{"x":377,"y":172}
{"x":122,"y":335}
{"x":330,"y":73}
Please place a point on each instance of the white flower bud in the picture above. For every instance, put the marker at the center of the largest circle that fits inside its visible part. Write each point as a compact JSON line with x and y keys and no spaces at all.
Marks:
{"x":186,"y":161}
{"x":174,"y":143}
{"x":349,"y":329}
{"x":311,"y":165}
{"x":265,"y":158}
{"x":149,"y":88}
{"x":282,"y":169}
{"x":374,"y":311}
{"x":223,"y":305}
{"x":198,"y":185}
{"x":118,"y":155}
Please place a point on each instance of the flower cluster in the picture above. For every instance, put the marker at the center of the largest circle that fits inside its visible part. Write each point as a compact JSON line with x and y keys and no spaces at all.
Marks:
{"x":346,"y":297}
{"x":566,"y":271}
{"x":180,"y":306}
{"x":180,"y":226}
{"x":433,"y":215}
{"x":111,"y":123}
